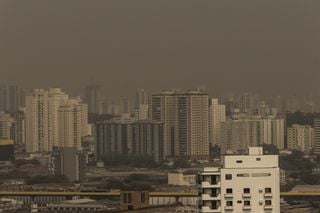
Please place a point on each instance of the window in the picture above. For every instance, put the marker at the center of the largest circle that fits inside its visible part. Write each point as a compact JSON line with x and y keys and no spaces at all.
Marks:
{"x":229,"y":190}
{"x":229,"y":203}
{"x":268,"y":203}
{"x":246,"y":190}
{"x":239,"y":201}
{"x":228,"y":176}
{"x":129,"y":197}
{"x":125,"y":198}
{"x":243,"y":175}
{"x":267,"y":190}
{"x":247,"y":203}
{"x":143,"y":197}
{"x":261,"y":174}
{"x":239,"y":161}
{"x":258,"y":159}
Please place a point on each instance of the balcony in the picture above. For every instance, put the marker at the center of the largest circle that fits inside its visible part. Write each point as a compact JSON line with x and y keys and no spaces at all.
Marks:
{"x":246,"y":208}
{"x":267,"y":194}
{"x":228,"y":195}
{"x":228,"y":208}
{"x":268,"y":207}
{"x":207,"y":209}
{"x":246,"y":195}
{"x":210,"y":197}
{"x":206,"y":184}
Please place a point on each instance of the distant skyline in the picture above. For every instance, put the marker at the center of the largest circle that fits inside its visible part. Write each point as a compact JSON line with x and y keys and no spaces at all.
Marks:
{"x":269,"y":47}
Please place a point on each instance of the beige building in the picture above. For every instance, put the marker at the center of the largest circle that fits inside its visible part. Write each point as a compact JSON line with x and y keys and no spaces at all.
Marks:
{"x":134,"y":200}
{"x":44,"y":117}
{"x":300,"y":137}
{"x":186,"y":122}
{"x":69,"y":128}
{"x":217,"y":115}
{"x":181,"y":179}
{"x":6,"y":123}
{"x":238,"y":135}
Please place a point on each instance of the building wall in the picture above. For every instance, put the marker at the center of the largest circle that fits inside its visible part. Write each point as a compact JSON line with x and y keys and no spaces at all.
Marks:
{"x":300,"y":137}
{"x":186,"y":122}
{"x":242,"y":133}
{"x":243,"y":183}
{"x":42,"y":120}
{"x":217,"y":115}
{"x":317,"y":136}
{"x":6,"y":123}
{"x":141,"y":137}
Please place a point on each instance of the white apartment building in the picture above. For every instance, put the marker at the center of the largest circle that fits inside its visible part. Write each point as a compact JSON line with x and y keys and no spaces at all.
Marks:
{"x":300,"y":137}
{"x":244,"y":183}
{"x":217,"y":115}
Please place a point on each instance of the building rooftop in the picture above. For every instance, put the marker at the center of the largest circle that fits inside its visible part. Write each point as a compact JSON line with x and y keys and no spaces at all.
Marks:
{"x":306,"y":188}
{"x":80,"y":201}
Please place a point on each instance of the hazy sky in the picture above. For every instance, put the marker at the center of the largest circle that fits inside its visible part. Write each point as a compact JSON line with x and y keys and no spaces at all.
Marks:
{"x":123,"y":45}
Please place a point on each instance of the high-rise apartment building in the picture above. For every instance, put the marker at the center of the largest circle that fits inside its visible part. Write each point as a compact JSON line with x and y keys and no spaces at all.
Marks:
{"x":93,"y":98}
{"x":317,"y":136}
{"x":141,"y":98}
{"x":300,"y":137}
{"x":125,"y":106}
{"x":142,"y":113}
{"x":186,"y":122}
{"x":19,"y":127}
{"x":6,"y":122}
{"x":140,"y":137}
{"x":239,"y":134}
{"x":112,"y":138}
{"x":217,"y":115}
{"x":244,"y":183}
{"x":69,"y":126}
{"x":148,"y":139}
{"x":11,"y":98}
{"x":46,"y":111}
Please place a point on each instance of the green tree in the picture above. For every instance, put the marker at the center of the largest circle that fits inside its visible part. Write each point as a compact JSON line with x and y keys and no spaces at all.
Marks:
{"x":182,"y":162}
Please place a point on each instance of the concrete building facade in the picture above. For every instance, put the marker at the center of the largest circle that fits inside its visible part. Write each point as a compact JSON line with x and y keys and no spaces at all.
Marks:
{"x":300,"y":137}
{"x":46,"y":111}
{"x":185,"y":116}
{"x":217,"y":115}
{"x":243,"y":183}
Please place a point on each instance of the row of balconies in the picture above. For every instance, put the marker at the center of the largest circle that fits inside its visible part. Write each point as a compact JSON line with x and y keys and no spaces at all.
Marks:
{"x":205,"y":196}
{"x":206,"y":184}
{"x":230,"y":208}
{"x":209,"y":209}
{"x":246,"y":195}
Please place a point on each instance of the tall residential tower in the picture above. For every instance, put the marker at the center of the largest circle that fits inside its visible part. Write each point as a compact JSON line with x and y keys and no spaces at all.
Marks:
{"x":186,"y":122}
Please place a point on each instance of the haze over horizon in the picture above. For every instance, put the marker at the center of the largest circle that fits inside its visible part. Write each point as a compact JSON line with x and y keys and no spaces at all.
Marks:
{"x":269,"y":47}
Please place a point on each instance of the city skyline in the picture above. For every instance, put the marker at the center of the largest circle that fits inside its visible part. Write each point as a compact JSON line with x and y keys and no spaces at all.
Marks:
{"x":161,"y":106}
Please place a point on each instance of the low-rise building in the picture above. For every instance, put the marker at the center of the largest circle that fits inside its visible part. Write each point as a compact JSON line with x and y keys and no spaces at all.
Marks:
{"x":181,"y":179}
{"x":69,"y":162}
{"x":133,"y":200}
